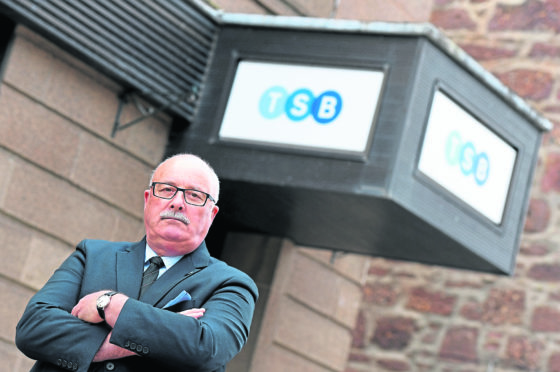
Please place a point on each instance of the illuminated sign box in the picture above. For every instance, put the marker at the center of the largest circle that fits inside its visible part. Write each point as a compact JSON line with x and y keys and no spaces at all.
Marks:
{"x":299,"y":106}
{"x":378,"y":141}
{"x":466,"y":158}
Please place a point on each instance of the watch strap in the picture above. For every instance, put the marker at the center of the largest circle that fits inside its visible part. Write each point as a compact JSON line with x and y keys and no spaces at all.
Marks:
{"x":101,"y":310}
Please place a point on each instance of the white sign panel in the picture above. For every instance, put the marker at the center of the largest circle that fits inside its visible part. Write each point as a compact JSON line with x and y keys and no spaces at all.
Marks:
{"x":467,"y":158}
{"x":302,"y":106}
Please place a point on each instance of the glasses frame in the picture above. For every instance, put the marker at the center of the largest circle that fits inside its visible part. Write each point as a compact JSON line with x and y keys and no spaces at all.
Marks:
{"x":208,"y":196}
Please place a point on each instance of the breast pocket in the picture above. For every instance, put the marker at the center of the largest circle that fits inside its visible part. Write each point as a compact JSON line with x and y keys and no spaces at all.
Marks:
{"x":181,"y":306}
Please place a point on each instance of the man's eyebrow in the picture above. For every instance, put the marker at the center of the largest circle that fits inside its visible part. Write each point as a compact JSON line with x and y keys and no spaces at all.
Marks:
{"x":189,"y":186}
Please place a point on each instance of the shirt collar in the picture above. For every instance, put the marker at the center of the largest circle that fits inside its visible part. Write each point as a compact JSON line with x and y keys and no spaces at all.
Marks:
{"x":167,"y":261}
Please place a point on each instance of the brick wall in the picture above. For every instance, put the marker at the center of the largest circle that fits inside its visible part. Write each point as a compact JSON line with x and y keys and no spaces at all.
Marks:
{"x":415,"y":317}
{"x":63,"y":177}
{"x":421,"y":318}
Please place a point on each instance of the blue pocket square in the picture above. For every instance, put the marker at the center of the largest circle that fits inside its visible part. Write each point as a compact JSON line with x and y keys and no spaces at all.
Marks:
{"x":182,"y":299}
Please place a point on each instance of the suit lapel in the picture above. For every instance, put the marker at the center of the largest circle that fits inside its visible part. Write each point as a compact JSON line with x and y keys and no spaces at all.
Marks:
{"x":186,"y":267}
{"x":130,"y":265}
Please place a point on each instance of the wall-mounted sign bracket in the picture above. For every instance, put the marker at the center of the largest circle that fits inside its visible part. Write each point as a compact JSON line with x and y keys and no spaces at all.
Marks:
{"x":430,"y":157}
{"x":147,"y":110}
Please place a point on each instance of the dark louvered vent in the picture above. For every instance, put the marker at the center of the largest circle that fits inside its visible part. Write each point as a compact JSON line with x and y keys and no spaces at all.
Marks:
{"x":160,"y":48}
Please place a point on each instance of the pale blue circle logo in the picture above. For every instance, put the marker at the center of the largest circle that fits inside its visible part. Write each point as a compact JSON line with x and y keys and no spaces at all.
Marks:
{"x":464,"y":155}
{"x":452,"y":148}
{"x":297,"y":106}
{"x":482,"y":170}
{"x":467,"y":158}
{"x":273,"y":102}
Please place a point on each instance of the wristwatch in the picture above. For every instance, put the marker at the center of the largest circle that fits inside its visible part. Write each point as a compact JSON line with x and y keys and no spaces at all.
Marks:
{"x":103,"y":301}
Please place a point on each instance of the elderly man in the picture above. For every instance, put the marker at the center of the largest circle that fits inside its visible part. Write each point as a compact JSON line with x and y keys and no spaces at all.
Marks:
{"x":103,"y":311}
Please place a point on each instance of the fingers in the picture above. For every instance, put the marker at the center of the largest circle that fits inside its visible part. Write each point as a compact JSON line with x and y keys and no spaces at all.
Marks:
{"x":193,"y":313}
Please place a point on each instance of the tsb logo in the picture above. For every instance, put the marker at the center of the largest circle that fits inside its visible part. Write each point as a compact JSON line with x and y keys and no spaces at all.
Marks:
{"x":463,"y":154}
{"x":297,"y":106}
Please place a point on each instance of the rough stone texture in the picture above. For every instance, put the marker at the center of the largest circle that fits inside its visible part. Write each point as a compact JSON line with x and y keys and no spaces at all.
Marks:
{"x":393,"y":333}
{"x":538,"y":216}
{"x":523,"y":353}
{"x":546,"y":319}
{"x":394,"y":364}
{"x":551,"y":176}
{"x":528,"y":83}
{"x":452,"y":19}
{"x":481,"y":52}
{"x":545,"y":272}
{"x":503,"y":324}
{"x":554,"y":362}
{"x":527,"y":15}
{"x":424,"y":301}
{"x":460,"y":344}
{"x":379,"y":294}
{"x":359,"y":331}
{"x":504,"y":306}
{"x":386,"y":11}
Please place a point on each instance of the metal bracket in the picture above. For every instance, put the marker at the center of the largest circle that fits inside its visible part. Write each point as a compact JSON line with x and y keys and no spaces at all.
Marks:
{"x":147,"y":111}
{"x":335,"y":255}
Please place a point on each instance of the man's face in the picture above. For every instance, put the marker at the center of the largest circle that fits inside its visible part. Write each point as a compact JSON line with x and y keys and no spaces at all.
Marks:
{"x":172,"y":236}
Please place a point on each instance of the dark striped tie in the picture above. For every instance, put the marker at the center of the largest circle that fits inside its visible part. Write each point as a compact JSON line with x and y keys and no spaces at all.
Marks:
{"x":151,"y":273}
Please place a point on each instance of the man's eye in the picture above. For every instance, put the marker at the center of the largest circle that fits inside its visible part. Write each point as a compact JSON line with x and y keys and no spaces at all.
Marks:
{"x":166,"y":190}
{"x":195,"y":195}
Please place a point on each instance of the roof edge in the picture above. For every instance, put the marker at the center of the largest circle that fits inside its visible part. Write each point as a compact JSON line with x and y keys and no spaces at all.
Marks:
{"x":427,"y":30}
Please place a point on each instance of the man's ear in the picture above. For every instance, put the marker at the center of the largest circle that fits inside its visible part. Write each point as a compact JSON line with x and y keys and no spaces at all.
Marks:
{"x":215,"y":210}
{"x":146,"y":196}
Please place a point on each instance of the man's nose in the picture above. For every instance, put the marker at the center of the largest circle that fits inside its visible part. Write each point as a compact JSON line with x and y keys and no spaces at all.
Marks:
{"x":178,"y":200}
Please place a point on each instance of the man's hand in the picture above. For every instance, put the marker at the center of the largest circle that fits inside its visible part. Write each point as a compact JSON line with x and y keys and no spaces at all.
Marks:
{"x":86,"y":308}
{"x":193,"y":313}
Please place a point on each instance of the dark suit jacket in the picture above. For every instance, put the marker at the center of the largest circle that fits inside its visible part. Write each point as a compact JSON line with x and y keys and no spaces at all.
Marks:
{"x":164,"y":340}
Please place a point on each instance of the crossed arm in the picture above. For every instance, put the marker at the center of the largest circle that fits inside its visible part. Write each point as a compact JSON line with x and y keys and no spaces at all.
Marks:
{"x":54,"y":326}
{"x":86,"y":310}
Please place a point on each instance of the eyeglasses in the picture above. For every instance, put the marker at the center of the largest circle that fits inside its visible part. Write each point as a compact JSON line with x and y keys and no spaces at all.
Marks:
{"x":191,"y":196}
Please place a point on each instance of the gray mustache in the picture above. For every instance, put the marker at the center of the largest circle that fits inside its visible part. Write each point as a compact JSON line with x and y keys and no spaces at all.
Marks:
{"x":175,"y":215}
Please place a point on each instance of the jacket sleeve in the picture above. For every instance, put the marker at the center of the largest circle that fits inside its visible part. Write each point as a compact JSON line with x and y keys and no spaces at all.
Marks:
{"x":48,"y":332}
{"x":184,"y":343}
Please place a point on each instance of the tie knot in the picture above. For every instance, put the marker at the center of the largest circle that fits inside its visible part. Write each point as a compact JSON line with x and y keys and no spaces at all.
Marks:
{"x":156,"y":260}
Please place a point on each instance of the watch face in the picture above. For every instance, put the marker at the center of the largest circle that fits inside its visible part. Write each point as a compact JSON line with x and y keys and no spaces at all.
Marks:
{"x":103,"y":301}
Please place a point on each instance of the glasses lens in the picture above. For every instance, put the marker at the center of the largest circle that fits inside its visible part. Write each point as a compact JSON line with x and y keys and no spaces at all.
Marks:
{"x":162,"y":190}
{"x":195,"y":197}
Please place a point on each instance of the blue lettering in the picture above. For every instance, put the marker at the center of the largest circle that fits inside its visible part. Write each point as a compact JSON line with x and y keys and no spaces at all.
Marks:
{"x":276,"y":101}
{"x":298,"y":105}
{"x":272,"y":102}
{"x":464,"y":155}
{"x":327,"y":107}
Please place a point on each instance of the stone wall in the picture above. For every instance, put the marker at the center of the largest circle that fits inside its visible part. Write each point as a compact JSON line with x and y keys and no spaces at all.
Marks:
{"x":63,"y":177}
{"x":310,"y":312}
{"x":420,"y":318}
